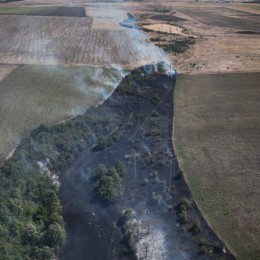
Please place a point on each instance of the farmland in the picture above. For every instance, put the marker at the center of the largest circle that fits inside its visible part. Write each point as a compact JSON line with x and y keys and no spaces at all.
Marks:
{"x":217,"y":128}
{"x":70,"y":40}
{"x":29,"y":38}
{"x":47,"y":95}
{"x":222,"y":44}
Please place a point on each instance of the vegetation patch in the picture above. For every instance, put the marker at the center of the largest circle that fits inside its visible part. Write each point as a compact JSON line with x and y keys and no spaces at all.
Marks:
{"x":31,"y":223}
{"x":177,"y":46}
{"x":168,"y":18}
{"x":109,"y":187}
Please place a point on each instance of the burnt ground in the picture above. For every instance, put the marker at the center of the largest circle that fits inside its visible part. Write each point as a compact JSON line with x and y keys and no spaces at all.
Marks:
{"x":141,"y":109}
{"x":63,"y":11}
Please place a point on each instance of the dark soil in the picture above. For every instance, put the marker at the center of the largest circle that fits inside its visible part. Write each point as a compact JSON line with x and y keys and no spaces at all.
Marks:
{"x":64,"y":11}
{"x":142,"y":112}
{"x":168,"y":18}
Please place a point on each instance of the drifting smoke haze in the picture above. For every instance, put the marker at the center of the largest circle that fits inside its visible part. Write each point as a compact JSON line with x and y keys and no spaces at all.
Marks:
{"x":134,"y":45}
{"x":96,"y":41}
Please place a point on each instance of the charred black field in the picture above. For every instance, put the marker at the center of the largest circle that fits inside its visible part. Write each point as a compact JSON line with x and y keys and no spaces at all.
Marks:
{"x":152,"y":215}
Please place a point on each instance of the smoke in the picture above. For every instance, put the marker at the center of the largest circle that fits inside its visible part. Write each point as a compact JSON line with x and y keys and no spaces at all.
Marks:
{"x":155,"y":240}
{"x":133,"y":45}
{"x":98,"y":83}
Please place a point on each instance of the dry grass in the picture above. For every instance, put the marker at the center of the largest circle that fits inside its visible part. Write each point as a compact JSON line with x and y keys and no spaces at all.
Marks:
{"x":218,"y":48}
{"x":217,"y":137}
{"x":32,"y":95}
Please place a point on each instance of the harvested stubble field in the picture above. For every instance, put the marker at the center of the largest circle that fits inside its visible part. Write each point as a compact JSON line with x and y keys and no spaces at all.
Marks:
{"x":36,"y":94}
{"x":106,"y":20}
{"x":69,"y":40}
{"x":217,"y":137}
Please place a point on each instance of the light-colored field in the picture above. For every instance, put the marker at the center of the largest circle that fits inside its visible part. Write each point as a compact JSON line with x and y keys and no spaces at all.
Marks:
{"x":105,"y":24}
{"x":217,"y":139}
{"x":69,"y":40}
{"x":167,"y":28}
{"x":36,"y":94}
{"x":106,"y":17}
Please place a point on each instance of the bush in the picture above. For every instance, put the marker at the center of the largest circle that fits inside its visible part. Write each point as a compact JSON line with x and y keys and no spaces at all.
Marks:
{"x":121,"y":168}
{"x":155,"y":113}
{"x":101,"y":170}
{"x":157,"y":198}
{"x":55,"y":235}
{"x":125,"y":216}
{"x":185,"y":202}
{"x":182,"y":207}
{"x":109,"y":187}
{"x":183,"y":216}
{"x":179,"y":175}
{"x":195,"y":229}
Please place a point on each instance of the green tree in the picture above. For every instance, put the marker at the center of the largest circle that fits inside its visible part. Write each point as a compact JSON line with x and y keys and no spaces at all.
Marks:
{"x":109,"y":188}
{"x":55,"y":235}
{"x":101,"y":170}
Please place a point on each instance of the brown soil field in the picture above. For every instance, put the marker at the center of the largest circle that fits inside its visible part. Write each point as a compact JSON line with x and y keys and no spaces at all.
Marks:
{"x":217,"y":137}
{"x":36,"y":94}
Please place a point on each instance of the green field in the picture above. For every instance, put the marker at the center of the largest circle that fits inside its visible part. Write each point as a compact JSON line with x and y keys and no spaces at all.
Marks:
{"x":217,"y":140}
{"x":35,"y":94}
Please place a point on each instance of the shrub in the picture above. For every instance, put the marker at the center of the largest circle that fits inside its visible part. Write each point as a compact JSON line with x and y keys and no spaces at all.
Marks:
{"x":101,"y":170}
{"x":121,"y":168}
{"x":157,"y":198}
{"x":185,"y":202}
{"x":179,"y":175}
{"x":183,"y":216}
{"x":195,"y":229}
{"x":125,"y":216}
{"x":109,"y":188}
{"x":155,"y":113}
